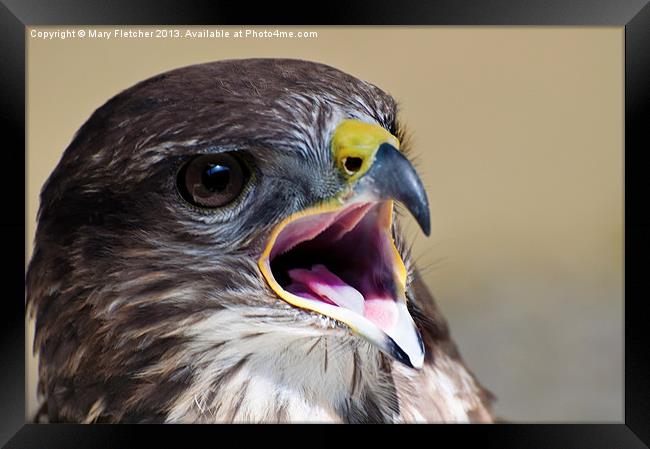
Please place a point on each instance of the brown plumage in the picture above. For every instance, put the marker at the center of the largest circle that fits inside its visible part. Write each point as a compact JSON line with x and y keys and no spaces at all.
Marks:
{"x":151,"y":309}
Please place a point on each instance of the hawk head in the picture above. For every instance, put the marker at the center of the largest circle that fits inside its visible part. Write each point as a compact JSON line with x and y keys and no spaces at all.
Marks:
{"x":218,"y":243}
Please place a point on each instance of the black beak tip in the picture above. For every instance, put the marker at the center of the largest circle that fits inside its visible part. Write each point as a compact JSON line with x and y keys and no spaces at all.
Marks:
{"x":392,"y":176}
{"x":398,"y":354}
{"x":425,"y":223}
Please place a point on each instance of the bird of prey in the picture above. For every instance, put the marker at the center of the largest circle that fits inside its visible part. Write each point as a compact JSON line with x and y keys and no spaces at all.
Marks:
{"x":218,"y":244}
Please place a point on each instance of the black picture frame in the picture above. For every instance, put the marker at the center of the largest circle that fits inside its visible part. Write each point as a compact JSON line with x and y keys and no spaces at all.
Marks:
{"x":634,"y":15}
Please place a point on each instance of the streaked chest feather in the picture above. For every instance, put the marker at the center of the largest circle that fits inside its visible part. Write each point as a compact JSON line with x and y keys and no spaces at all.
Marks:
{"x":303,"y":375}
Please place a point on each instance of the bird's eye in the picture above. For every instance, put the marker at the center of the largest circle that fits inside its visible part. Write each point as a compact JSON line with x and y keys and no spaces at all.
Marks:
{"x":212,"y":180}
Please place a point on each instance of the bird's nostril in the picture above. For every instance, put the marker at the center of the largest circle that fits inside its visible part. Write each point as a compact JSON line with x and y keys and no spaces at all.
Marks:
{"x":352,"y":164}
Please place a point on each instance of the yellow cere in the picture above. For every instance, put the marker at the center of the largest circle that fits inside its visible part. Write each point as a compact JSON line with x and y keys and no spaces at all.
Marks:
{"x":357,"y":139}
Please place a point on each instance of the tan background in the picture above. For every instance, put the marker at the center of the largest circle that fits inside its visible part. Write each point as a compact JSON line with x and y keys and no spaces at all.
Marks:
{"x":519,"y":137}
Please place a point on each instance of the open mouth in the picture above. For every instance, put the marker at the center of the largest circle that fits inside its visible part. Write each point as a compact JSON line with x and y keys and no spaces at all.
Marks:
{"x":341,"y":261}
{"x":344,"y":258}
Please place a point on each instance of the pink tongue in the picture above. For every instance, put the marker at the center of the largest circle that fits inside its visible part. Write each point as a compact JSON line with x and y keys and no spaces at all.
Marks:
{"x":321,"y":284}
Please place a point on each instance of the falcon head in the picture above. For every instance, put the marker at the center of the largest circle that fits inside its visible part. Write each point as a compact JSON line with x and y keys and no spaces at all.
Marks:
{"x":227,"y":230}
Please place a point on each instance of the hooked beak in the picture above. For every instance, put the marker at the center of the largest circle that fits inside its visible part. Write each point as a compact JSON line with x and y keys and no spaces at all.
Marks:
{"x":339,"y":259}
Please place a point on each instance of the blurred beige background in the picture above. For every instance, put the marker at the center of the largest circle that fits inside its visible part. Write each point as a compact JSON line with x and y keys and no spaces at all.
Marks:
{"x":519,"y":138}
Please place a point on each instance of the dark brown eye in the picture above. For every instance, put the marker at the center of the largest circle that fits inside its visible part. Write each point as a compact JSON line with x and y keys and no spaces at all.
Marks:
{"x":212,"y":180}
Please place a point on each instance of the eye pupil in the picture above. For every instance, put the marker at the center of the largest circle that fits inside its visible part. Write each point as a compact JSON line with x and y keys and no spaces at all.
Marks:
{"x":212,"y":180}
{"x":215,"y":178}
